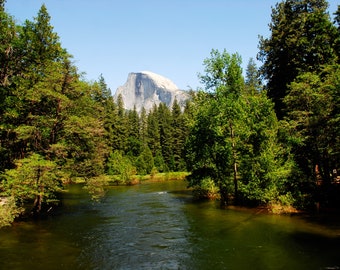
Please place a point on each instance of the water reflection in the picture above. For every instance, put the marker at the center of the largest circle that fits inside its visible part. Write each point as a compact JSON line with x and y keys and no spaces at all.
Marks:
{"x":158,"y":226}
{"x":246,"y":239}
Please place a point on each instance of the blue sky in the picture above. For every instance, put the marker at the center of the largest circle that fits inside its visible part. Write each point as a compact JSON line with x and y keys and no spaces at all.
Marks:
{"x":168,"y":37}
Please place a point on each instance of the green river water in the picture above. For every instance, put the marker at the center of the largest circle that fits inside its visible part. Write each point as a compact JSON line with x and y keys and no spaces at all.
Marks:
{"x":159,"y":226}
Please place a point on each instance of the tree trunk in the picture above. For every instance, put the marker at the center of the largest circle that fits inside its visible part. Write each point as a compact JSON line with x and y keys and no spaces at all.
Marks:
{"x":38,"y":198}
{"x":37,"y":205}
{"x":54,"y":130}
{"x":224,"y":195}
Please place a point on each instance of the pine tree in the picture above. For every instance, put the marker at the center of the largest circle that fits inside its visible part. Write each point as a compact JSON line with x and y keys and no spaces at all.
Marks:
{"x":143,"y":123}
{"x":337,"y":17}
{"x":2,"y":5}
{"x":303,"y":39}
{"x":153,"y":135}
{"x":32,"y":102}
{"x":313,"y":122}
{"x":51,"y":119}
{"x":178,"y":135}
{"x":145,"y":161}
{"x":42,"y":45}
{"x":134,"y":143}
{"x":120,"y":127}
{"x":9,"y":52}
{"x":166,"y":136}
{"x":10,"y":68}
{"x":253,"y":83}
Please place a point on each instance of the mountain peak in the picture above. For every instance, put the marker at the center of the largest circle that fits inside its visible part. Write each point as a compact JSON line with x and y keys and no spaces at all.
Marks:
{"x":146,"y":89}
{"x":160,"y":80}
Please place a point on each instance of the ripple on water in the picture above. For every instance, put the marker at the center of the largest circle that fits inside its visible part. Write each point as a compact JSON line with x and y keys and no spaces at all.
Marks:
{"x":156,"y":226}
{"x":146,"y":231}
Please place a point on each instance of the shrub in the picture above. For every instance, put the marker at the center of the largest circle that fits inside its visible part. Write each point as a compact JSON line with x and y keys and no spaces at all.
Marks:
{"x":8,"y":211}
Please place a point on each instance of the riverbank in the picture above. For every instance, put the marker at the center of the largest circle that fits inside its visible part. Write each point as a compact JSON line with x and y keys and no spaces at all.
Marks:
{"x":158,"y":226}
{"x":97,"y":186}
{"x":159,"y":177}
{"x":139,"y":179}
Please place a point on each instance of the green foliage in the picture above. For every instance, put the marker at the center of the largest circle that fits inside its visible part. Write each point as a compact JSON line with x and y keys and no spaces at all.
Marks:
{"x":179,"y":135}
{"x":145,"y":162}
{"x":313,"y":122}
{"x":223,"y":74}
{"x":253,"y":82}
{"x":224,"y":77}
{"x":234,"y":139}
{"x":159,"y":162}
{"x":8,"y":211}
{"x":120,"y":165}
{"x":283,"y":204}
{"x":8,"y":50}
{"x":166,"y":135}
{"x":152,"y":133}
{"x":207,"y":189}
{"x":34,"y":179}
{"x":2,"y":5}
{"x":265,"y":165}
{"x":51,"y":123}
{"x":55,"y":127}
{"x":207,"y":154}
{"x":96,"y":186}
{"x":303,"y":39}
{"x":337,"y":17}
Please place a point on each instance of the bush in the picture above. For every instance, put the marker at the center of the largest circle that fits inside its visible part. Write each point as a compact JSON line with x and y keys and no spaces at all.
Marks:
{"x":96,"y":186}
{"x":8,"y":211}
{"x":121,"y":166}
{"x":206,"y":190}
{"x":283,"y":204}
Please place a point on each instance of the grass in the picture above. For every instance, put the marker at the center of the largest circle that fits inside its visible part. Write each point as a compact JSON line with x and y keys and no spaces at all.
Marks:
{"x":159,"y":177}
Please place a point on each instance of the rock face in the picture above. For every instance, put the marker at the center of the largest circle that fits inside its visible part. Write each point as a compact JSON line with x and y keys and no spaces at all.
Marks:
{"x":144,"y":89}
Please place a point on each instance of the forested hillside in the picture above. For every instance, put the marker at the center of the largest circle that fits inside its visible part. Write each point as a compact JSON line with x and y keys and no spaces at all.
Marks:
{"x":271,"y":138}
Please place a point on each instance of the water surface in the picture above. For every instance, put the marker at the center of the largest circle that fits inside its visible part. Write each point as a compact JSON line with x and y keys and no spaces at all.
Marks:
{"x":158,"y":226}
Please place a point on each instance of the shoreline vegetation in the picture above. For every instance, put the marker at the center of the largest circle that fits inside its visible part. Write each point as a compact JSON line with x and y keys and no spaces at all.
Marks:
{"x":199,"y":193}
{"x":96,"y":187}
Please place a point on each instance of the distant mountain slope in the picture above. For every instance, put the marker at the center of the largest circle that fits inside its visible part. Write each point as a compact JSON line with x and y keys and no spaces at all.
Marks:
{"x":145,"y":88}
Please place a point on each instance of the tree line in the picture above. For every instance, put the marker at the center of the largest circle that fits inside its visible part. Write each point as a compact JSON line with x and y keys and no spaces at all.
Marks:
{"x":56,"y":128}
{"x":268,"y":138}
{"x":273,"y":137}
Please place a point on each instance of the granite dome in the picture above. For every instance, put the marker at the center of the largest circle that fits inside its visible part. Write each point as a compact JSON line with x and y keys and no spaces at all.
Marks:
{"x":146,"y":89}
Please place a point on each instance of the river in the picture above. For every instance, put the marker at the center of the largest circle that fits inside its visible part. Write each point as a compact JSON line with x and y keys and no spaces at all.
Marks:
{"x":159,"y":226}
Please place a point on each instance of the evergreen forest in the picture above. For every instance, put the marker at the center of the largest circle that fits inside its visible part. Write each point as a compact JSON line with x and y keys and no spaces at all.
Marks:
{"x":268,"y":136}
